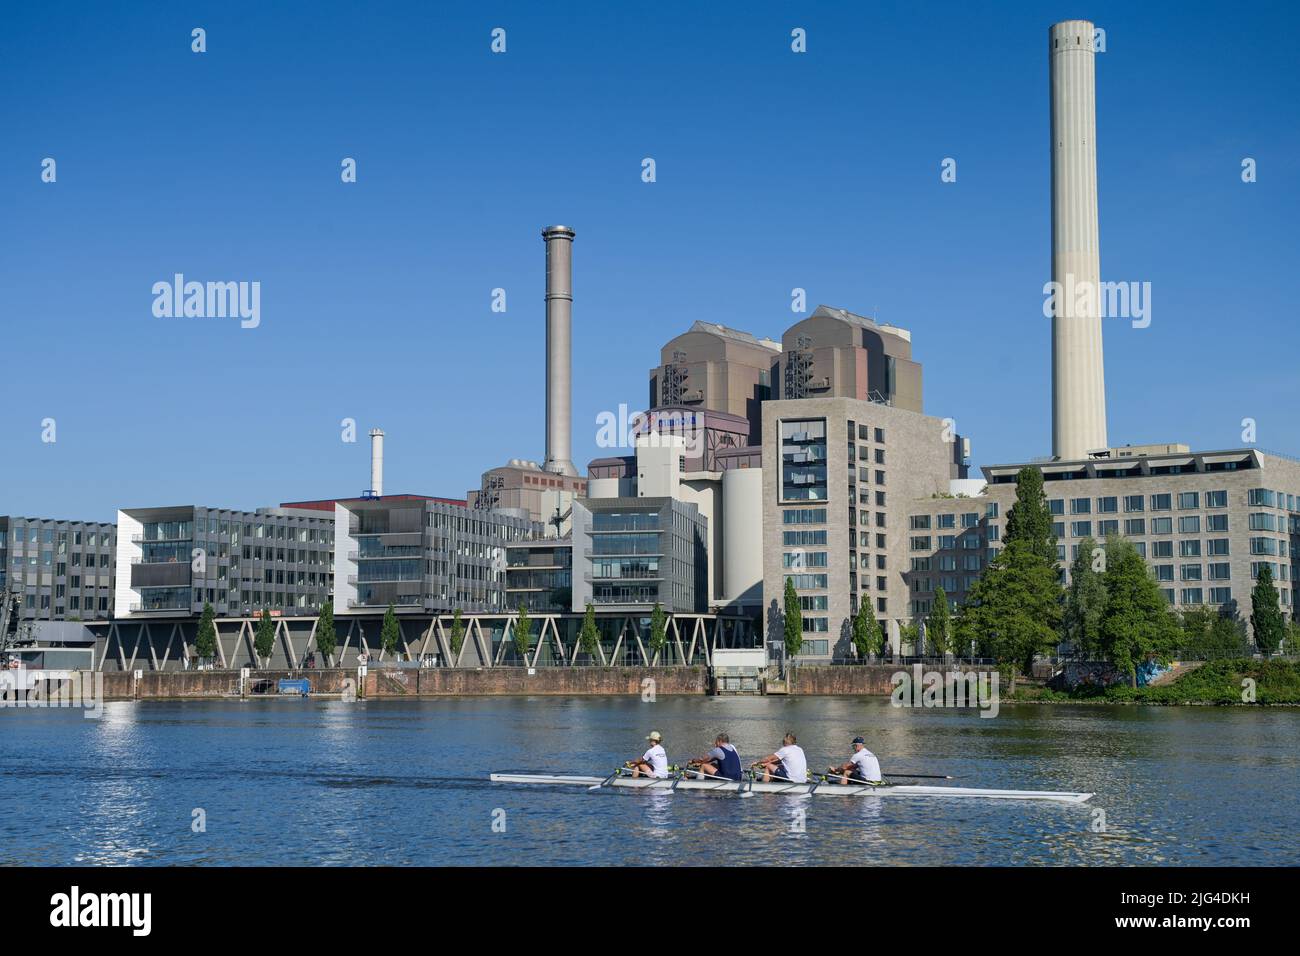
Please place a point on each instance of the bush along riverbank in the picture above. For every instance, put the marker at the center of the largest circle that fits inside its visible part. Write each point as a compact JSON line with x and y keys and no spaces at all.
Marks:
{"x":1243,"y":681}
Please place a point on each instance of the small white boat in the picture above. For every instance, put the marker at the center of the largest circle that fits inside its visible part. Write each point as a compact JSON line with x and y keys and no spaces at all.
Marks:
{"x":819,"y":789}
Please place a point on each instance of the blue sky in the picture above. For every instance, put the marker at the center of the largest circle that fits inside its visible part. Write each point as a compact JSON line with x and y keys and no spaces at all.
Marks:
{"x":775,"y":170}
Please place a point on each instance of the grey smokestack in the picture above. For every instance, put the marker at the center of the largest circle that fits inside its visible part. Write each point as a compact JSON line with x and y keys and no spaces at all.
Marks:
{"x":1078,"y":379}
{"x":377,"y":462}
{"x":559,"y":321}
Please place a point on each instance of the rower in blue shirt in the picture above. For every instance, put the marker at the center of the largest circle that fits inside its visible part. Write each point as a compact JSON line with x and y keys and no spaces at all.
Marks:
{"x":722,"y":761}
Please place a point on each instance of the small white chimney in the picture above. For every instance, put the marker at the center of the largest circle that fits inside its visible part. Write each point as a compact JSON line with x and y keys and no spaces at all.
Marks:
{"x":377,"y":462}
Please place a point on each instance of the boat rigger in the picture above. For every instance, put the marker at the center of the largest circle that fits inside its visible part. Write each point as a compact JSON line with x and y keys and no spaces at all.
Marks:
{"x":815,"y":787}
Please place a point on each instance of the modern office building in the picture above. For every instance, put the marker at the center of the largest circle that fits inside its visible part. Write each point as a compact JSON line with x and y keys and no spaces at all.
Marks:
{"x":57,"y":570}
{"x":539,"y":575}
{"x":834,"y":353}
{"x":422,"y":556}
{"x":173,"y":560}
{"x":712,"y":367}
{"x":836,"y":498}
{"x":632,"y":553}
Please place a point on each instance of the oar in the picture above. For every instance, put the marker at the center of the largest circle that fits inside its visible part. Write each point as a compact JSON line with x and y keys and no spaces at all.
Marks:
{"x":850,"y":780}
{"x":605,"y":783}
{"x":920,"y":776}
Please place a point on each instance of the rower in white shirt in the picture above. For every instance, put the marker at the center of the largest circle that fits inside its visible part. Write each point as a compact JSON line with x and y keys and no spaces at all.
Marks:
{"x":787,"y":765}
{"x":862,"y":767}
{"x":654,"y":762}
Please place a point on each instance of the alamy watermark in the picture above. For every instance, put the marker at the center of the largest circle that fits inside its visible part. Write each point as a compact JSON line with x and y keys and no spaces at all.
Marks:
{"x":1084,"y":299}
{"x":20,"y":687}
{"x":958,"y":689}
{"x":209,"y":300}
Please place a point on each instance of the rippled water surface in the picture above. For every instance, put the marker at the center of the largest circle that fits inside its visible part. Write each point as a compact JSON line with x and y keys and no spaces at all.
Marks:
{"x":307,"y":782}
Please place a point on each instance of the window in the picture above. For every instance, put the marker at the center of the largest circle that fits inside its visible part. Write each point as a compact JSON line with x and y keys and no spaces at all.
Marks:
{"x":1164,"y":572}
{"x":1189,"y":548}
{"x":1190,"y":572}
{"x":1192,"y":595}
{"x":1161,"y":502}
{"x":1217,"y":546}
{"x":1189,"y":524}
{"x":1220,"y":571}
{"x":946,"y":521}
{"x":1262,"y":521}
{"x":992,"y":510}
{"x":1216,"y":522}
{"x":1187,"y":500}
{"x":1056,"y":506}
{"x":1162,"y":525}
{"x":1220,"y":595}
{"x":921,"y":522}
{"x":1135,"y":526}
{"x":1081,"y":529}
{"x":1263,"y":546}
{"x":1261,"y":497}
{"x":804,"y":516}
{"x":1108,"y":505}
{"x":921,"y":542}
{"x":1080,"y":506}
{"x":1216,"y":499}
{"x":970,"y":519}
{"x":1134,"y":503}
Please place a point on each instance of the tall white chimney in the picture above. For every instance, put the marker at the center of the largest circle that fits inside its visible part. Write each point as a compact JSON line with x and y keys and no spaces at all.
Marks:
{"x":1078,"y":380}
{"x":377,"y":462}
{"x":559,"y":320}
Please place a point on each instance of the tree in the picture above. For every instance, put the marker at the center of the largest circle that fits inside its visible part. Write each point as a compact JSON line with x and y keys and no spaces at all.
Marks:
{"x":793,"y":615}
{"x":938,"y":625}
{"x":910,"y":633}
{"x":390,"y":634}
{"x":658,"y":630}
{"x":1028,"y":520}
{"x":1266,"y":621}
{"x":589,"y":635}
{"x":1013,"y":613}
{"x":457,"y":638}
{"x":327,"y":641}
{"x":1137,"y":622}
{"x":1085,"y":601}
{"x":1211,"y":634}
{"x":205,"y":641}
{"x":264,"y":639}
{"x":523,"y":636}
{"x":1291,"y":643}
{"x":867,"y":635}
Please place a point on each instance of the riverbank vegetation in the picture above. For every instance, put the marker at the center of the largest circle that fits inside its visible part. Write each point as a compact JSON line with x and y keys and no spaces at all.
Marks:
{"x":1233,"y":681}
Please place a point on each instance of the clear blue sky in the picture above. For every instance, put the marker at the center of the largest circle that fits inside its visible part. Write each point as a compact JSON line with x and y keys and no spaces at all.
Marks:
{"x":775,"y":171}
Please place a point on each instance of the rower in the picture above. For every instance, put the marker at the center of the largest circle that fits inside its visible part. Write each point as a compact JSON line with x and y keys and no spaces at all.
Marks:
{"x":788,"y":763}
{"x":862,"y":767}
{"x":722,"y":761}
{"x":654,"y":762}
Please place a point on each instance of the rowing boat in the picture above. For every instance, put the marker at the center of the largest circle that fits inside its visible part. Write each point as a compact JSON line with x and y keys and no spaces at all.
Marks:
{"x":674,"y":784}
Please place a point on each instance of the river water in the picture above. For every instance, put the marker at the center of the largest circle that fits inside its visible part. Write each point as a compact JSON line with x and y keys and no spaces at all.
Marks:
{"x":327,"y":782}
